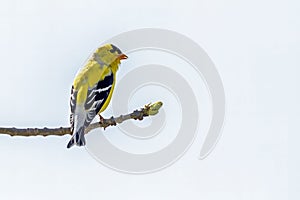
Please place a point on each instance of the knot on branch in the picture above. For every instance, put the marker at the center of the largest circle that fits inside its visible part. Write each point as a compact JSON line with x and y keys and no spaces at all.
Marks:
{"x":149,"y":109}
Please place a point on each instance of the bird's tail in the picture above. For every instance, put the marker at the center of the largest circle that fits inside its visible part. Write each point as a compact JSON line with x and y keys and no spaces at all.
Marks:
{"x":77,"y":138}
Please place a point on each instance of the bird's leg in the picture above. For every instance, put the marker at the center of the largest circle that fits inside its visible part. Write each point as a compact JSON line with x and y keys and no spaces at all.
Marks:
{"x":101,"y":119}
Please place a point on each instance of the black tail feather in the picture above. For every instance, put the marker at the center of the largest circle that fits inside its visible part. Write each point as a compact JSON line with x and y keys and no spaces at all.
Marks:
{"x":71,"y":143}
{"x":77,"y":138}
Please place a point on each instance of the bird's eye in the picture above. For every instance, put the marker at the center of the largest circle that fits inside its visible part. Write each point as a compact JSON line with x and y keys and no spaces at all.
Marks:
{"x":113,"y":49}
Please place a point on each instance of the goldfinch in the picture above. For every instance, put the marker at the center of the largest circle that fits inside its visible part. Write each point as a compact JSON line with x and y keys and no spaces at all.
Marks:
{"x":92,"y":90}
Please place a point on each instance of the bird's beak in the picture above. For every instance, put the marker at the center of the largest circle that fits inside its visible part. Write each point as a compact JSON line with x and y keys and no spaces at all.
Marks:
{"x":123,"y":56}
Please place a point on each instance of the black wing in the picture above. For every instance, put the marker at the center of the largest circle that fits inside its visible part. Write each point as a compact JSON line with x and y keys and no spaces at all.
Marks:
{"x":73,"y":106}
{"x":96,"y":97}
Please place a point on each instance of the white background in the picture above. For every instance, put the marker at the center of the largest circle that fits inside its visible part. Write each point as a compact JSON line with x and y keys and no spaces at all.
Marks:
{"x":254,"y":45}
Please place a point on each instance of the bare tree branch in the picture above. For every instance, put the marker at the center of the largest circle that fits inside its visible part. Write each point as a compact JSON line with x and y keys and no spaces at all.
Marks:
{"x":147,"y":110}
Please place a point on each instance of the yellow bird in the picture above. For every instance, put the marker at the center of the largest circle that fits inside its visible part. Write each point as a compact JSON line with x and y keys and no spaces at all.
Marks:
{"x":92,"y":90}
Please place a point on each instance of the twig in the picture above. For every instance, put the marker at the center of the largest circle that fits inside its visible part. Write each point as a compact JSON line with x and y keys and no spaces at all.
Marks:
{"x":149,"y":109}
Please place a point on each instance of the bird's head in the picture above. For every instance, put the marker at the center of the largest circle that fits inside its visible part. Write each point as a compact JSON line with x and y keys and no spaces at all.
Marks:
{"x":109,"y":54}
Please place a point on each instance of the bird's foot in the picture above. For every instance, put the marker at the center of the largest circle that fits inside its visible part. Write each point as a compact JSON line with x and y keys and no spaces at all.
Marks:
{"x":101,"y":119}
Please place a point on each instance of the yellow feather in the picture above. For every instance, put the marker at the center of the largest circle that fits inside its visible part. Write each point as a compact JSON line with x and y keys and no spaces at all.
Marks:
{"x":101,"y":64}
